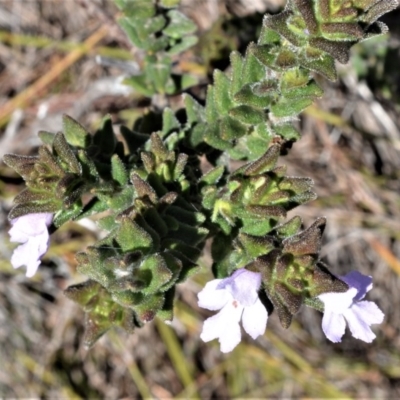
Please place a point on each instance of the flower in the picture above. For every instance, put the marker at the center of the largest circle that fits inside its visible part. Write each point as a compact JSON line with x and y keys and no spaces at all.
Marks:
{"x":31,"y":231}
{"x":237,"y":298}
{"x":342,"y":307}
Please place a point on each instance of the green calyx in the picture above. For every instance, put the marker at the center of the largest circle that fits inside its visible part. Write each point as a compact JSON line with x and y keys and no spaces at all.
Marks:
{"x":155,"y":237}
{"x":102,"y":312}
{"x":288,"y":261}
{"x":257,"y":196}
{"x":293,"y":273}
{"x":320,"y":31}
{"x":69,"y":165}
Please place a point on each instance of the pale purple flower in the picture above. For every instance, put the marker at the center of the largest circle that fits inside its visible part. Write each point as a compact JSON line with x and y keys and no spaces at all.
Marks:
{"x":237,"y":298}
{"x":31,"y":231}
{"x":347,"y":307}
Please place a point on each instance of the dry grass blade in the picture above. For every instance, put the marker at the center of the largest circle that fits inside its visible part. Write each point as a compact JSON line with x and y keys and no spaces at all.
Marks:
{"x":386,"y":254}
{"x":25,"y":97}
{"x":181,"y":364}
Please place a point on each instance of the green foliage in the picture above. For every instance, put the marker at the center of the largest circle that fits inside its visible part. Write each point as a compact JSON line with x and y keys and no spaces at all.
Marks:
{"x":68,"y":166}
{"x":158,"y":207}
{"x":288,"y":261}
{"x":161,"y":32}
{"x":101,"y":311}
{"x":257,"y":196}
{"x":268,"y":87}
{"x":155,"y":237}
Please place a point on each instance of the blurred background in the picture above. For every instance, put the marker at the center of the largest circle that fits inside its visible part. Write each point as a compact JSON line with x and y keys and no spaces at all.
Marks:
{"x":69,"y":56}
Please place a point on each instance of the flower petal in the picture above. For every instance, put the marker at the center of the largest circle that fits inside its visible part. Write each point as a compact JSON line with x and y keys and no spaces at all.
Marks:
{"x":212,"y":298}
{"x":16,"y":234}
{"x":23,"y":255}
{"x":363,"y":283}
{"x":243,"y":285}
{"x":29,"y":225}
{"x":338,"y":302}
{"x":31,"y":231}
{"x":360,"y":316}
{"x":224,"y":326}
{"x":333,"y":325}
{"x":254,"y":319}
{"x":230,"y":338}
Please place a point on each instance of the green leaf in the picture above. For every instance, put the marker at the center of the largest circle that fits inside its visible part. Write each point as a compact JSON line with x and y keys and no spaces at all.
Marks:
{"x":138,"y":9}
{"x":105,"y":138}
{"x":213,"y":176}
{"x":231,"y":129}
{"x":311,"y":90}
{"x":153,"y":25}
{"x":265,"y":55}
{"x":169,"y":3}
{"x":134,"y":140}
{"x":247,"y":114}
{"x":167,"y":311}
{"x":155,"y":273}
{"x":130,"y":30}
{"x":75,"y":134}
{"x":183,"y":44}
{"x":131,"y":237}
{"x":46,"y":137}
{"x":221,"y":92}
{"x":323,"y":64}
{"x":265,"y":163}
{"x":289,"y":108}
{"x":287,"y":131}
{"x":290,"y":227}
{"x":23,"y":165}
{"x":156,"y":221}
{"x":156,"y":44}
{"x":189,"y":234}
{"x":211,"y":112}
{"x":246,"y":96}
{"x":159,"y":73}
{"x":294,"y":78}
{"x":107,"y":223}
{"x":194,"y":111}
{"x":63,"y":216}
{"x":259,"y":226}
{"x":179,"y":25}
{"x":30,"y":208}
{"x":268,"y":37}
{"x":252,"y":70}
{"x":255,"y":246}
{"x":170,"y":123}
{"x":338,"y":50}
{"x":180,"y":165}
{"x":237,"y":68}
{"x":140,"y":83}
{"x":65,"y":153}
{"x":118,"y":170}
{"x":149,"y":307}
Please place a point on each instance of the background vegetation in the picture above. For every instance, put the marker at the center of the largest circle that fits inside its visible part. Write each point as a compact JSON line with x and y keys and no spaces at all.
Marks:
{"x":350,"y":147}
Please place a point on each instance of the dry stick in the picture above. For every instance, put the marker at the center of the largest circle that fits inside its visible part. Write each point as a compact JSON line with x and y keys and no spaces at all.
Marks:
{"x":22,"y":99}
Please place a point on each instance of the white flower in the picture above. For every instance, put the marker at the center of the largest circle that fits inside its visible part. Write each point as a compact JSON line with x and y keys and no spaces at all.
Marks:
{"x":31,"y":231}
{"x":237,"y":298}
{"x":347,"y":307}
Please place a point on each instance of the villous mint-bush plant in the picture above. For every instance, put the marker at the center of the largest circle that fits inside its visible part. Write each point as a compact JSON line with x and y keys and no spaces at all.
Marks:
{"x":160,"y":208}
